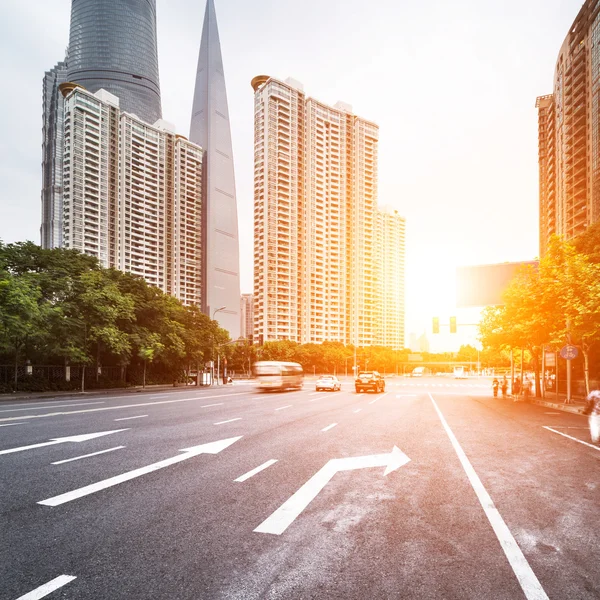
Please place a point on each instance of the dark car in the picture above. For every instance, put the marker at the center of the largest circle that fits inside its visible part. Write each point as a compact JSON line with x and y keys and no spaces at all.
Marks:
{"x":369,"y":381}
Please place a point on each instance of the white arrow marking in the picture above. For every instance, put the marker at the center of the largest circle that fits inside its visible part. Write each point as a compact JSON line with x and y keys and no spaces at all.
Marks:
{"x":73,"y":438}
{"x":211,"y":448}
{"x":48,"y":588}
{"x":285,"y":515}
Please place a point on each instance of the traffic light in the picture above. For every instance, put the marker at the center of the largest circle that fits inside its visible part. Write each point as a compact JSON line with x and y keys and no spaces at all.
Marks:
{"x":452,"y":324}
{"x":436,"y":325}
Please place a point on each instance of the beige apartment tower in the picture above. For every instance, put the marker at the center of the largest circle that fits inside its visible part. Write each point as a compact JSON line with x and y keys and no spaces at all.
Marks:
{"x":132,"y":193}
{"x":315,"y":196}
{"x":569,"y":133}
{"x":390,"y":245}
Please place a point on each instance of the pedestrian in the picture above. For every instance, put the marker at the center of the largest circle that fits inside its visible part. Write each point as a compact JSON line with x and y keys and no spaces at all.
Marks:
{"x":593,"y":410}
{"x":516,"y":388}
{"x":504,"y":386}
{"x":495,"y":385}
{"x":527,"y":388}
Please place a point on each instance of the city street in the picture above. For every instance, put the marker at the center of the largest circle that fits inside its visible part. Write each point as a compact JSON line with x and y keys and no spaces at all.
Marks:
{"x":433,"y":489}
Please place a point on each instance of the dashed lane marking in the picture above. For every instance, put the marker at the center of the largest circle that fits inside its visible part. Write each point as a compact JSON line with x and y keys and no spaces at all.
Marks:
{"x":129,"y":418}
{"x":53,"y":406}
{"x":329,"y":427}
{"x":48,"y":588}
{"x":357,"y":410}
{"x":229,"y":421}
{"x":284,"y":407}
{"x":255,"y":471}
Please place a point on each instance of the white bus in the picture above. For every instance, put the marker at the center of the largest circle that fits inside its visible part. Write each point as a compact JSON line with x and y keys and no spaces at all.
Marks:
{"x":276,"y":375}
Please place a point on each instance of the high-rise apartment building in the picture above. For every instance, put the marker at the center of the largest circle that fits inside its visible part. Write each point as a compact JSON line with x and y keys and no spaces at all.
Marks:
{"x":52,"y":156}
{"x":569,"y":133}
{"x":132,"y":193}
{"x":113,"y":46}
{"x":390,"y":244}
{"x":247,"y":316}
{"x":211,"y":129}
{"x":315,"y":193}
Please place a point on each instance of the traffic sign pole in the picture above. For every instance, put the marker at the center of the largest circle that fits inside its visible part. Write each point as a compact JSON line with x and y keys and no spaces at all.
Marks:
{"x":568,"y":381}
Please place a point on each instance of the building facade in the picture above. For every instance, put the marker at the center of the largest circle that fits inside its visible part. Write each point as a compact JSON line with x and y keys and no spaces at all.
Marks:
{"x":132,"y":193}
{"x":390,"y":245}
{"x":247,"y":316}
{"x":52,"y":156}
{"x":113,"y":46}
{"x":210,"y":128}
{"x":569,"y":133}
{"x":315,"y":193}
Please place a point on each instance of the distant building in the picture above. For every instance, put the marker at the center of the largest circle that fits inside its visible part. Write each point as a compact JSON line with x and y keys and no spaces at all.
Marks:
{"x":569,"y":133}
{"x":132,"y":193}
{"x":210,"y":128}
{"x":390,"y":244}
{"x":247,"y":316}
{"x":52,"y":156}
{"x":315,"y":194}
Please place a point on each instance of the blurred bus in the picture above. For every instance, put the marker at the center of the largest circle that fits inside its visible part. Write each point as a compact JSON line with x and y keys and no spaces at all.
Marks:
{"x":277,"y":375}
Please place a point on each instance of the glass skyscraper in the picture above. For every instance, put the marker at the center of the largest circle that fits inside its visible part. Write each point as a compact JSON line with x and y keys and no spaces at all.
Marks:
{"x":112,"y":45}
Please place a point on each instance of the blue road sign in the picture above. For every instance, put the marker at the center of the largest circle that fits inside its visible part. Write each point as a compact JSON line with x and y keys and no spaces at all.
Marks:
{"x":569,"y":352}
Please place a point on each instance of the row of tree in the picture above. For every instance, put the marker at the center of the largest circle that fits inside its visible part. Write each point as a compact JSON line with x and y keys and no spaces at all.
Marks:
{"x":552,"y":305}
{"x":61,"y":306}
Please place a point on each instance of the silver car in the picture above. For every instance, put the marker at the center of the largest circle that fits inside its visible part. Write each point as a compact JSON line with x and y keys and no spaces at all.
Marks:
{"x":328,"y":382}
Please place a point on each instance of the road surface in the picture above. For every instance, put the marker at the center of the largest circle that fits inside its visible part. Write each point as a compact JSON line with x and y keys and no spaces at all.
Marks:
{"x":434,"y":489}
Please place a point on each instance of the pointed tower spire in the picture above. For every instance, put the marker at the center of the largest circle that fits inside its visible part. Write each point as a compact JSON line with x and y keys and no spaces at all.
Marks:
{"x":210,"y":128}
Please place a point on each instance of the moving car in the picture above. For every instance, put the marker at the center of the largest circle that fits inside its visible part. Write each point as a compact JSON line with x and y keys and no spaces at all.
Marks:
{"x":277,"y":375}
{"x":459,"y":373}
{"x":369,"y":381}
{"x":418,"y":372}
{"x":328,"y":382}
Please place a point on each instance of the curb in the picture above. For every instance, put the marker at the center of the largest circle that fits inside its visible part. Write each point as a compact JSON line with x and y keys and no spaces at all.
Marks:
{"x":563,"y":407}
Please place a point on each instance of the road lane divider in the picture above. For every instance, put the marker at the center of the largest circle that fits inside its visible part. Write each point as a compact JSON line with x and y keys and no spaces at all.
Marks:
{"x":103,"y":408}
{"x":329,"y":427}
{"x":571,"y":437}
{"x":530,"y":584}
{"x":48,"y":588}
{"x":210,"y":448}
{"x":53,"y":406}
{"x":128,"y":418}
{"x":209,"y":405}
{"x":319,"y":398}
{"x":357,"y":410}
{"x":11,"y":424}
{"x":228,"y":421}
{"x":68,"y":460}
{"x":284,"y":407}
{"x":73,"y":438}
{"x":258,"y":469}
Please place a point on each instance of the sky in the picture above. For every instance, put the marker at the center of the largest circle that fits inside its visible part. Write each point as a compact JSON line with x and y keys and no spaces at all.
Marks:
{"x":452,"y":86}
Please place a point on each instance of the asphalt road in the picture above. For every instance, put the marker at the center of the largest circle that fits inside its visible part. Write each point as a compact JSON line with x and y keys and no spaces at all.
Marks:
{"x":483,"y":498}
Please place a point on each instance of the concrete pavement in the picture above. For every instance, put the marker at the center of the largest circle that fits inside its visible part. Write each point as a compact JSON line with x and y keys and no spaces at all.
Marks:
{"x":498,"y":499}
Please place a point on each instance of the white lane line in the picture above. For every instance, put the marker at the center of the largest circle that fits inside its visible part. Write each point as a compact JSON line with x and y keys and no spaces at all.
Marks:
{"x":284,"y":407}
{"x":257,"y":470}
{"x":378,"y":398}
{"x":11,"y":424}
{"x":552,"y":413}
{"x":128,"y":418}
{"x":228,"y":421}
{"x":329,"y":427}
{"x":48,"y":588}
{"x":319,"y":398}
{"x":53,"y":406}
{"x":406,"y":395}
{"x":103,"y":408}
{"x":530,"y":584}
{"x":159,"y":396}
{"x":357,"y":410}
{"x":571,"y":438}
{"x":315,"y":393}
{"x":209,"y":405}
{"x":62,"y":462}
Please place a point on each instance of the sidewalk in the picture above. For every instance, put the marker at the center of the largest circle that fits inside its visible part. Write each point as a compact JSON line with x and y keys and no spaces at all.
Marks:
{"x":106,"y":391}
{"x":557,"y":402}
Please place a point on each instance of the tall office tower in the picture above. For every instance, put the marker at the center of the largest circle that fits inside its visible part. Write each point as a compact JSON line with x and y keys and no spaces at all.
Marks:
{"x":52,"y":144}
{"x":132,"y":193}
{"x":247,"y":316}
{"x":569,"y":133}
{"x":210,"y":128}
{"x":390,"y":244}
{"x":315,"y":191}
{"x":113,"y":46}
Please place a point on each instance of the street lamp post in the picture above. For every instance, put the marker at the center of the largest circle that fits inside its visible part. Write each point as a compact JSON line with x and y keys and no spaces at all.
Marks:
{"x":213,"y":352}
